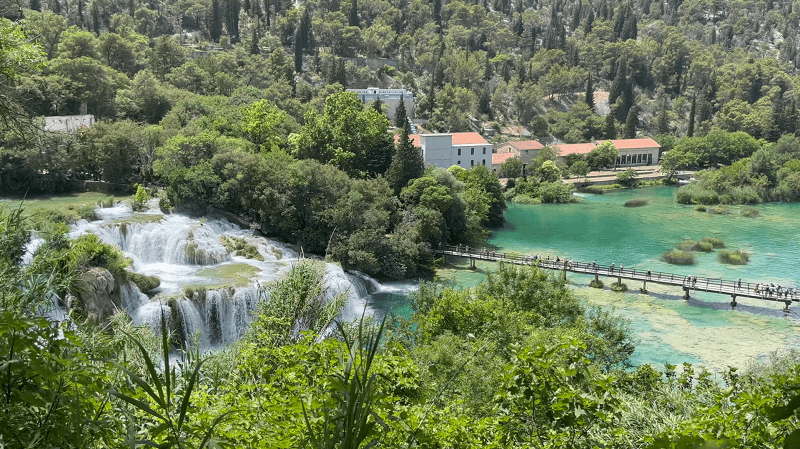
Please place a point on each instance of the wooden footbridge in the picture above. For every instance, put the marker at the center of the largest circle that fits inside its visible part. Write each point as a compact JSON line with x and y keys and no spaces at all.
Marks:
{"x":762,"y":290}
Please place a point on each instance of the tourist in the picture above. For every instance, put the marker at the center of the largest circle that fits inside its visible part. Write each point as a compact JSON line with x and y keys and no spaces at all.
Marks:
{"x":621,"y":267}
{"x":740,"y":284}
{"x":612,"y":268}
{"x":649,"y":273}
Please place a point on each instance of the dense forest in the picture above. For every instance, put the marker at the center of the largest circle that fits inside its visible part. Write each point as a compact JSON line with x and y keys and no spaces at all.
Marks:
{"x":238,"y":105}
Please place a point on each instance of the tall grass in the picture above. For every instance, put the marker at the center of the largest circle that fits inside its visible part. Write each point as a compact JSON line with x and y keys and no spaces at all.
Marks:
{"x":695,"y":194}
{"x":686,"y":245}
{"x":749,"y":212}
{"x":714,"y":241}
{"x":735,"y":257}
{"x":679,"y":257}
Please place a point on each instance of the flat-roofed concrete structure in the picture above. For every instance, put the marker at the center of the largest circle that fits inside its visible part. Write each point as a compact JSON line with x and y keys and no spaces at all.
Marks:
{"x":391,"y":98}
{"x":68,"y":123}
{"x":447,"y":149}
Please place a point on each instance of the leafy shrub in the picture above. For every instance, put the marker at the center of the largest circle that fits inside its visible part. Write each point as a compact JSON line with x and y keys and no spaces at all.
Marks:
{"x":619,"y":286}
{"x":686,"y":245}
{"x":526,"y":199}
{"x":718,"y":210}
{"x":596,"y":283}
{"x":140,"y":199}
{"x":636,"y":202}
{"x":749,"y":212}
{"x":597,"y":190}
{"x":90,"y":251}
{"x":87,"y":212}
{"x":714,"y":241}
{"x":163,"y":201}
{"x":189,"y":292}
{"x":695,"y":194}
{"x":679,"y":257}
{"x":735,"y":257}
{"x":700,"y":208}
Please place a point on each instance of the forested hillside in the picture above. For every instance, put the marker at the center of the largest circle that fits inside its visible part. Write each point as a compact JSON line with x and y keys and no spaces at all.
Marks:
{"x":670,"y":67}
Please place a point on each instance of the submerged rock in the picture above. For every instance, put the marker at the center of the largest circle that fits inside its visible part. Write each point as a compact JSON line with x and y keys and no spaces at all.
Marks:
{"x":97,"y":295}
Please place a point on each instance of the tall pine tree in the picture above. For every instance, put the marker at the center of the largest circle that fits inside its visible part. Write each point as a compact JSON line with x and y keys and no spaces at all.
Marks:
{"x":589,"y":92}
{"x":400,"y":115}
{"x":407,"y":162}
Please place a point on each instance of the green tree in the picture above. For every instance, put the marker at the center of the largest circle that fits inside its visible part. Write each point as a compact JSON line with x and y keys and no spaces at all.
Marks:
{"x":628,"y":178}
{"x":605,"y":155}
{"x":511,"y":168}
{"x":579,"y":168}
{"x":167,"y":55}
{"x":548,"y":172}
{"x":265,"y":125}
{"x":401,"y":117}
{"x":407,"y":162}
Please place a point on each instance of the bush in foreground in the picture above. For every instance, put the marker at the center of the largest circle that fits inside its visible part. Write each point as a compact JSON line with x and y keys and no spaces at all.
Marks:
{"x":679,"y":257}
{"x":735,"y":257}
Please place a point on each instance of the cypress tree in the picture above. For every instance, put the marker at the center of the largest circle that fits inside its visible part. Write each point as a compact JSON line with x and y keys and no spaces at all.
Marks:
{"x":589,"y":92}
{"x":354,"y":22}
{"x":631,"y":123}
{"x":215,"y":25}
{"x":407,"y":162}
{"x":610,"y":129}
{"x":692,"y":111}
{"x":380,"y":157}
{"x":400,"y":115}
{"x":298,"y":51}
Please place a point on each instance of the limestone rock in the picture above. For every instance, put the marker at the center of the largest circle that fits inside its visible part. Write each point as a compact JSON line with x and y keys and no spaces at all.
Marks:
{"x":98,"y":295}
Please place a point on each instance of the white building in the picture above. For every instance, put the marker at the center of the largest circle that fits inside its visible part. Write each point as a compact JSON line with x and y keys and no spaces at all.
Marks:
{"x":68,"y":123}
{"x":445,"y":150}
{"x":389,"y":97}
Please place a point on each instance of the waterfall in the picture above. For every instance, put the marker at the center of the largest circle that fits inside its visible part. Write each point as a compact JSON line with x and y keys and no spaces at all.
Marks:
{"x":187,"y":252}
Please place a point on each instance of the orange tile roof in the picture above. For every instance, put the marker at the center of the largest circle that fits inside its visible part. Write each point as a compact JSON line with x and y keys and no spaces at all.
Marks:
{"x":629,"y":144}
{"x":526,"y":144}
{"x":499,"y":158}
{"x":575,"y":148}
{"x":414,"y":139}
{"x":468,"y":139}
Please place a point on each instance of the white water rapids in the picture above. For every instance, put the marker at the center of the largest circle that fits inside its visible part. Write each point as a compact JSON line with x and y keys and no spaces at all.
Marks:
{"x":158,"y":247}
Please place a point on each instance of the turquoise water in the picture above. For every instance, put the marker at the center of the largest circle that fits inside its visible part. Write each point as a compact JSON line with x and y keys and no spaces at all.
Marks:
{"x":703,"y":330}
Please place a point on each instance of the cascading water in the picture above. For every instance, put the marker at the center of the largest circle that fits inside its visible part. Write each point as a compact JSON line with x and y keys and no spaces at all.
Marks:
{"x":182,"y":251}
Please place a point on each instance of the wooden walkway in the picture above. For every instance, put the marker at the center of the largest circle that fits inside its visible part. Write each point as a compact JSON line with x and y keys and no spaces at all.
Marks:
{"x":763,"y":290}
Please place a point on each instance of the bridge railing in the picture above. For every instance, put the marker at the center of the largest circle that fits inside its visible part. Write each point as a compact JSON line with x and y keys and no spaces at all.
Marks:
{"x":694,"y":282}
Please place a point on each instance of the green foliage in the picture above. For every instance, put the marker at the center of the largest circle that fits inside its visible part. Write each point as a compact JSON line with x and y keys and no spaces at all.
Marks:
{"x":695,"y":194}
{"x":164,"y":398}
{"x":296,"y":303}
{"x":679,"y":257}
{"x":734,"y":257}
{"x":510,"y":168}
{"x":140,"y":198}
{"x":628,"y":178}
{"x":605,"y":155}
{"x":596,"y":283}
{"x":144,"y":282}
{"x":87,"y":212}
{"x":89,"y":251}
{"x":715,"y":242}
{"x":239,"y":247}
{"x":700,"y":208}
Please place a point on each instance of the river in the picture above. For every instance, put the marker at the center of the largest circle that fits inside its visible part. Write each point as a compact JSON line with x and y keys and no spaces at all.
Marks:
{"x":702,"y":331}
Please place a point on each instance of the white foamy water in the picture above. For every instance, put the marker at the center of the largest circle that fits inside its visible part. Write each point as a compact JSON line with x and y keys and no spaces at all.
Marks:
{"x":186,"y":252}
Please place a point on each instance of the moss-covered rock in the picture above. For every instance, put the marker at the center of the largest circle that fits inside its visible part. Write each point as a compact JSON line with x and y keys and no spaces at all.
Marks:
{"x":144,"y":282}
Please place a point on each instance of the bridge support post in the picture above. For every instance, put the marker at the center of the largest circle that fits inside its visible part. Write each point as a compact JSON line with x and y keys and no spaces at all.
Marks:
{"x":686,"y":293}
{"x":472,"y":263}
{"x":565,"y":274}
{"x":733,"y":301}
{"x":786,"y":306}
{"x":596,"y":278}
{"x":644,"y":286}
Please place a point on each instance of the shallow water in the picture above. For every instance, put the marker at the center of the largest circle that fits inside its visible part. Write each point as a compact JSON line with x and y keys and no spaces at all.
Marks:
{"x":703,"y":330}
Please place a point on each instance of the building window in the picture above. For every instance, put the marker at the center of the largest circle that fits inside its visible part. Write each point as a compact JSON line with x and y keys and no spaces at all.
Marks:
{"x":471,"y":163}
{"x":472,"y":150}
{"x":484,"y":150}
{"x":484,"y":162}
{"x":459,"y":162}
{"x":459,"y":151}
{"x":650,"y":159}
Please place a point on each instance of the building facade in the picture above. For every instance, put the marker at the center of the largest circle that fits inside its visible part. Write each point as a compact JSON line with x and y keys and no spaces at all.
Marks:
{"x":391,"y":98}
{"x":444,"y":150}
{"x":68,"y":123}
